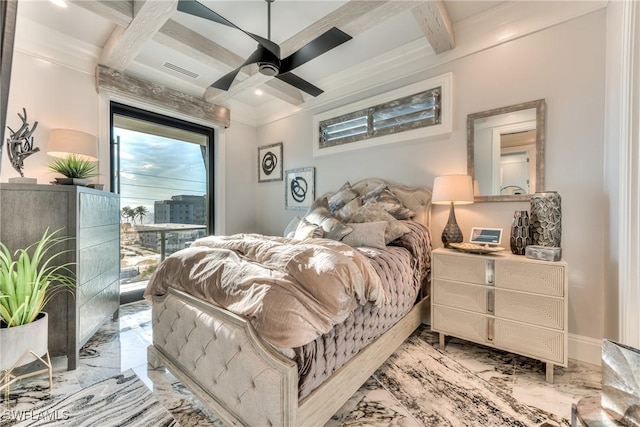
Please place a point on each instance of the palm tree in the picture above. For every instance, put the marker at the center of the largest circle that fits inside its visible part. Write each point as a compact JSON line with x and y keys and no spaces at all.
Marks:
{"x":127,"y":213}
{"x":140,"y":212}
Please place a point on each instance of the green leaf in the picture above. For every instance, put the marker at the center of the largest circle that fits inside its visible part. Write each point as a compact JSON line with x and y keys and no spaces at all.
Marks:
{"x":30,"y":278}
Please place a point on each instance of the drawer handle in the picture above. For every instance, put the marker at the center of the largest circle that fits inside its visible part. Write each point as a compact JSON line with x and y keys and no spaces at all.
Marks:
{"x":490,"y":325}
{"x":490,"y":272}
{"x":490,"y":301}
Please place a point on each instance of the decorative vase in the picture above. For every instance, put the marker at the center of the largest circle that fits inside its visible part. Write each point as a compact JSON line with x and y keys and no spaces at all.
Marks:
{"x":520,"y":232}
{"x":546,"y":219}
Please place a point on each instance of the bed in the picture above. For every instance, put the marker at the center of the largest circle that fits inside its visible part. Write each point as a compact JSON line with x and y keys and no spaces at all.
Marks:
{"x":240,"y":370}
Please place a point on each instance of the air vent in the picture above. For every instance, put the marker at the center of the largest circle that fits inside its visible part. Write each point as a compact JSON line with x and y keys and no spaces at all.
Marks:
{"x":180,"y":70}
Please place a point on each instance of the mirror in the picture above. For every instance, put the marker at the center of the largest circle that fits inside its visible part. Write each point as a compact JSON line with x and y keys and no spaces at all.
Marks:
{"x":505,"y":151}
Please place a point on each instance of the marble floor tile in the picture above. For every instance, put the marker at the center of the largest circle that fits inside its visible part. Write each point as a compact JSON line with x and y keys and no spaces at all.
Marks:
{"x":373,"y":405}
{"x":420,"y":385}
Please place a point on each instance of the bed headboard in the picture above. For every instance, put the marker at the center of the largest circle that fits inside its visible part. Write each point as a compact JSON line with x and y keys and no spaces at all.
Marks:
{"x":418,"y":199}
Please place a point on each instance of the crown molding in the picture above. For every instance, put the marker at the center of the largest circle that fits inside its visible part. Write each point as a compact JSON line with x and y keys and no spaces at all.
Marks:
{"x":42,"y":42}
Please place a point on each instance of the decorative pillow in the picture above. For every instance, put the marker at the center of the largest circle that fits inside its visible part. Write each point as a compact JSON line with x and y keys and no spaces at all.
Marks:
{"x":372,"y":211}
{"x":383,"y":195}
{"x":343,"y":196}
{"x":291,"y":228}
{"x":369,"y":234}
{"x":319,"y":214}
{"x":345,"y":212}
{"x":306,"y":230}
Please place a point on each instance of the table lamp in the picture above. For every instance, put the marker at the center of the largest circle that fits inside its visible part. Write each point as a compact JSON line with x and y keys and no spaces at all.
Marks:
{"x":63,"y":142}
{"x":453,"y":190}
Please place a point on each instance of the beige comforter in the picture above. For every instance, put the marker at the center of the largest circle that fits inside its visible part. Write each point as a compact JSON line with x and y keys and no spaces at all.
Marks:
{"x":292,"y":291}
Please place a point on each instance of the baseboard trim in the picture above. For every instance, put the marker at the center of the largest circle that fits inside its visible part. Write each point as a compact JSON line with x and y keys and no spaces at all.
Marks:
{"x":585,"y":349}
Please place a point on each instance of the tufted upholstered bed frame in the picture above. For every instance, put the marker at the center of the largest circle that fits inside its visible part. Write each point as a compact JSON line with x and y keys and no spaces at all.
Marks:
{"x":245,"y":381}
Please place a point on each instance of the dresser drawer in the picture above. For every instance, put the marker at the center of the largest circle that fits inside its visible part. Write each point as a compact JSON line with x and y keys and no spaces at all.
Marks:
{"x":539,"y":343}
{"x":537,"y":310}
{"x":541,"y":278}
{"x":463,"y":324}
{"x":460,"y":268}
{"x":460,"y":295}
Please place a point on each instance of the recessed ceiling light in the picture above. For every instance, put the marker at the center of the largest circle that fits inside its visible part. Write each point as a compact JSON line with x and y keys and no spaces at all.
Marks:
{"x":258,"y":92}
{"x":59,"y":3}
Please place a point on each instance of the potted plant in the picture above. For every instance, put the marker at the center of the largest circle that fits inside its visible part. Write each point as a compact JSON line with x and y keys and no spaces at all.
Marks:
{"x":29,"y":278}
{"x":76,"y":169}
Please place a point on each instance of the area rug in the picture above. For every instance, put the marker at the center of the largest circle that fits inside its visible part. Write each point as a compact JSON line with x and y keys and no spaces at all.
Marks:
{"x":121,"y":400}
{"x":438,"y":391}
{"x":422,"y":386}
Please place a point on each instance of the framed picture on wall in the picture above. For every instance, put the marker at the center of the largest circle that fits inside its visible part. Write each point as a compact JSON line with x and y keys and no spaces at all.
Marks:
{"x":299,"y":188}
{"x":270,"y":162}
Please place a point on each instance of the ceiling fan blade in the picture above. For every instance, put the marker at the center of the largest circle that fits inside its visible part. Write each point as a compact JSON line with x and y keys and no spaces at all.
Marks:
{"x":300,"y":83}
{"x":195,"y":8}
{"x":225,"y":81}
{"x":330,"y":39}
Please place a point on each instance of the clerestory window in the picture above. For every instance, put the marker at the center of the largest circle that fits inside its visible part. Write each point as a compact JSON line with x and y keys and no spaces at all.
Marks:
{"x":402,"y":114}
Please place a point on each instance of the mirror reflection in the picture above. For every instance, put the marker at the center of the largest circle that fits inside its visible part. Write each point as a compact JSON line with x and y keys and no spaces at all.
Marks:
{"x":506,"y":151}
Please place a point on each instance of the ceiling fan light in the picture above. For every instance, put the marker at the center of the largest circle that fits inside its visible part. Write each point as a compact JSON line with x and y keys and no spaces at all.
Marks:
{"x":268,"y":69}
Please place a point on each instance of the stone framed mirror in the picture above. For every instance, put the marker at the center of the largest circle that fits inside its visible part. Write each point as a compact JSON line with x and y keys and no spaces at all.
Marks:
{"x":505,"y":151}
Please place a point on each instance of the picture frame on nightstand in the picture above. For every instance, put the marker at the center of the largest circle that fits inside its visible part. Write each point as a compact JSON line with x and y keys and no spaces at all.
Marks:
{"x":485,"y":236}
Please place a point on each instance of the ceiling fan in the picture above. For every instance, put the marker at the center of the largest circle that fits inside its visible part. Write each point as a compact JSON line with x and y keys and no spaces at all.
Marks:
{"x":267,"y":55}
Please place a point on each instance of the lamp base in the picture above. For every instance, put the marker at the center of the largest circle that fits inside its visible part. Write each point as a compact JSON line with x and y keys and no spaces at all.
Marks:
{"x":451,"y":232}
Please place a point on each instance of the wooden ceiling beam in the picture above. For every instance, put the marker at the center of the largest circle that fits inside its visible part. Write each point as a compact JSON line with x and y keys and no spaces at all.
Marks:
{"x":124,"y":44}
{"x":114,"y":81}
{"x":184,"y":40}
{"x":119,"y":12}
{"x":353,"y":18}
{"x":433,"y":18}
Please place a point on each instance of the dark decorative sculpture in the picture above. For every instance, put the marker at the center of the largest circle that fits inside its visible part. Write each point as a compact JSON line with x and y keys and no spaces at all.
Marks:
{"x":20,"y":143}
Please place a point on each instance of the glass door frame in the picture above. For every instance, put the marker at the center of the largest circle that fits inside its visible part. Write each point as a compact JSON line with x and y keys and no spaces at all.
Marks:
{"x":137,"y":113}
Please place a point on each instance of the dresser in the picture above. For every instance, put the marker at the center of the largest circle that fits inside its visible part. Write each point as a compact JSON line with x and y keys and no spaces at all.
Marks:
{"x":504,"y":301}
{"x":92,"y":219}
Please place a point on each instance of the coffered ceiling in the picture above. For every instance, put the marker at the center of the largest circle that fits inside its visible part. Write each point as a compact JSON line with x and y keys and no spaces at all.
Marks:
{"x":151,"y":39}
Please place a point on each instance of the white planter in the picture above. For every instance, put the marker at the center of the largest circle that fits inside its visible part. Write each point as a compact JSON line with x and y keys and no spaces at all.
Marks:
{"x":16,"y":342}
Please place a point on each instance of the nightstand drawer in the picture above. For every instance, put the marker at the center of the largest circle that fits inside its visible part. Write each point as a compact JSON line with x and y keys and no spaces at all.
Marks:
{"x":540,"y":343}
{"x":459,"y":323}
{"x":460,"y":268}
{"x":460,"y":295}
{"x":534,"y":309}
{"x":541,"y":278}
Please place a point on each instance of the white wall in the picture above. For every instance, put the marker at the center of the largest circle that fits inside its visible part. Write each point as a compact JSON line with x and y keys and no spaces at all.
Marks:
{"x":241,"y":174}
{"x":565,"y":65}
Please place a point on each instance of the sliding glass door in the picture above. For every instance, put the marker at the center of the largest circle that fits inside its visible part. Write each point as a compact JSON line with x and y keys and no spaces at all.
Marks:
{"x":162,"y":169}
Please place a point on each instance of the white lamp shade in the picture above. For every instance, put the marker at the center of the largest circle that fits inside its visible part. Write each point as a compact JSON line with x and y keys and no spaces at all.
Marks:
{"x":452,"y":188}
{"x":63,"y":142}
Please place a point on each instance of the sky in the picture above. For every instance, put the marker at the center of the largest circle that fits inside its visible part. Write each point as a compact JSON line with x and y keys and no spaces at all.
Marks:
{"x":156,"y":168}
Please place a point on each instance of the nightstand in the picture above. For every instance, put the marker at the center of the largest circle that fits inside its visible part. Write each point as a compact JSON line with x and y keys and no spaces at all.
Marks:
{"x":504,"y":301}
